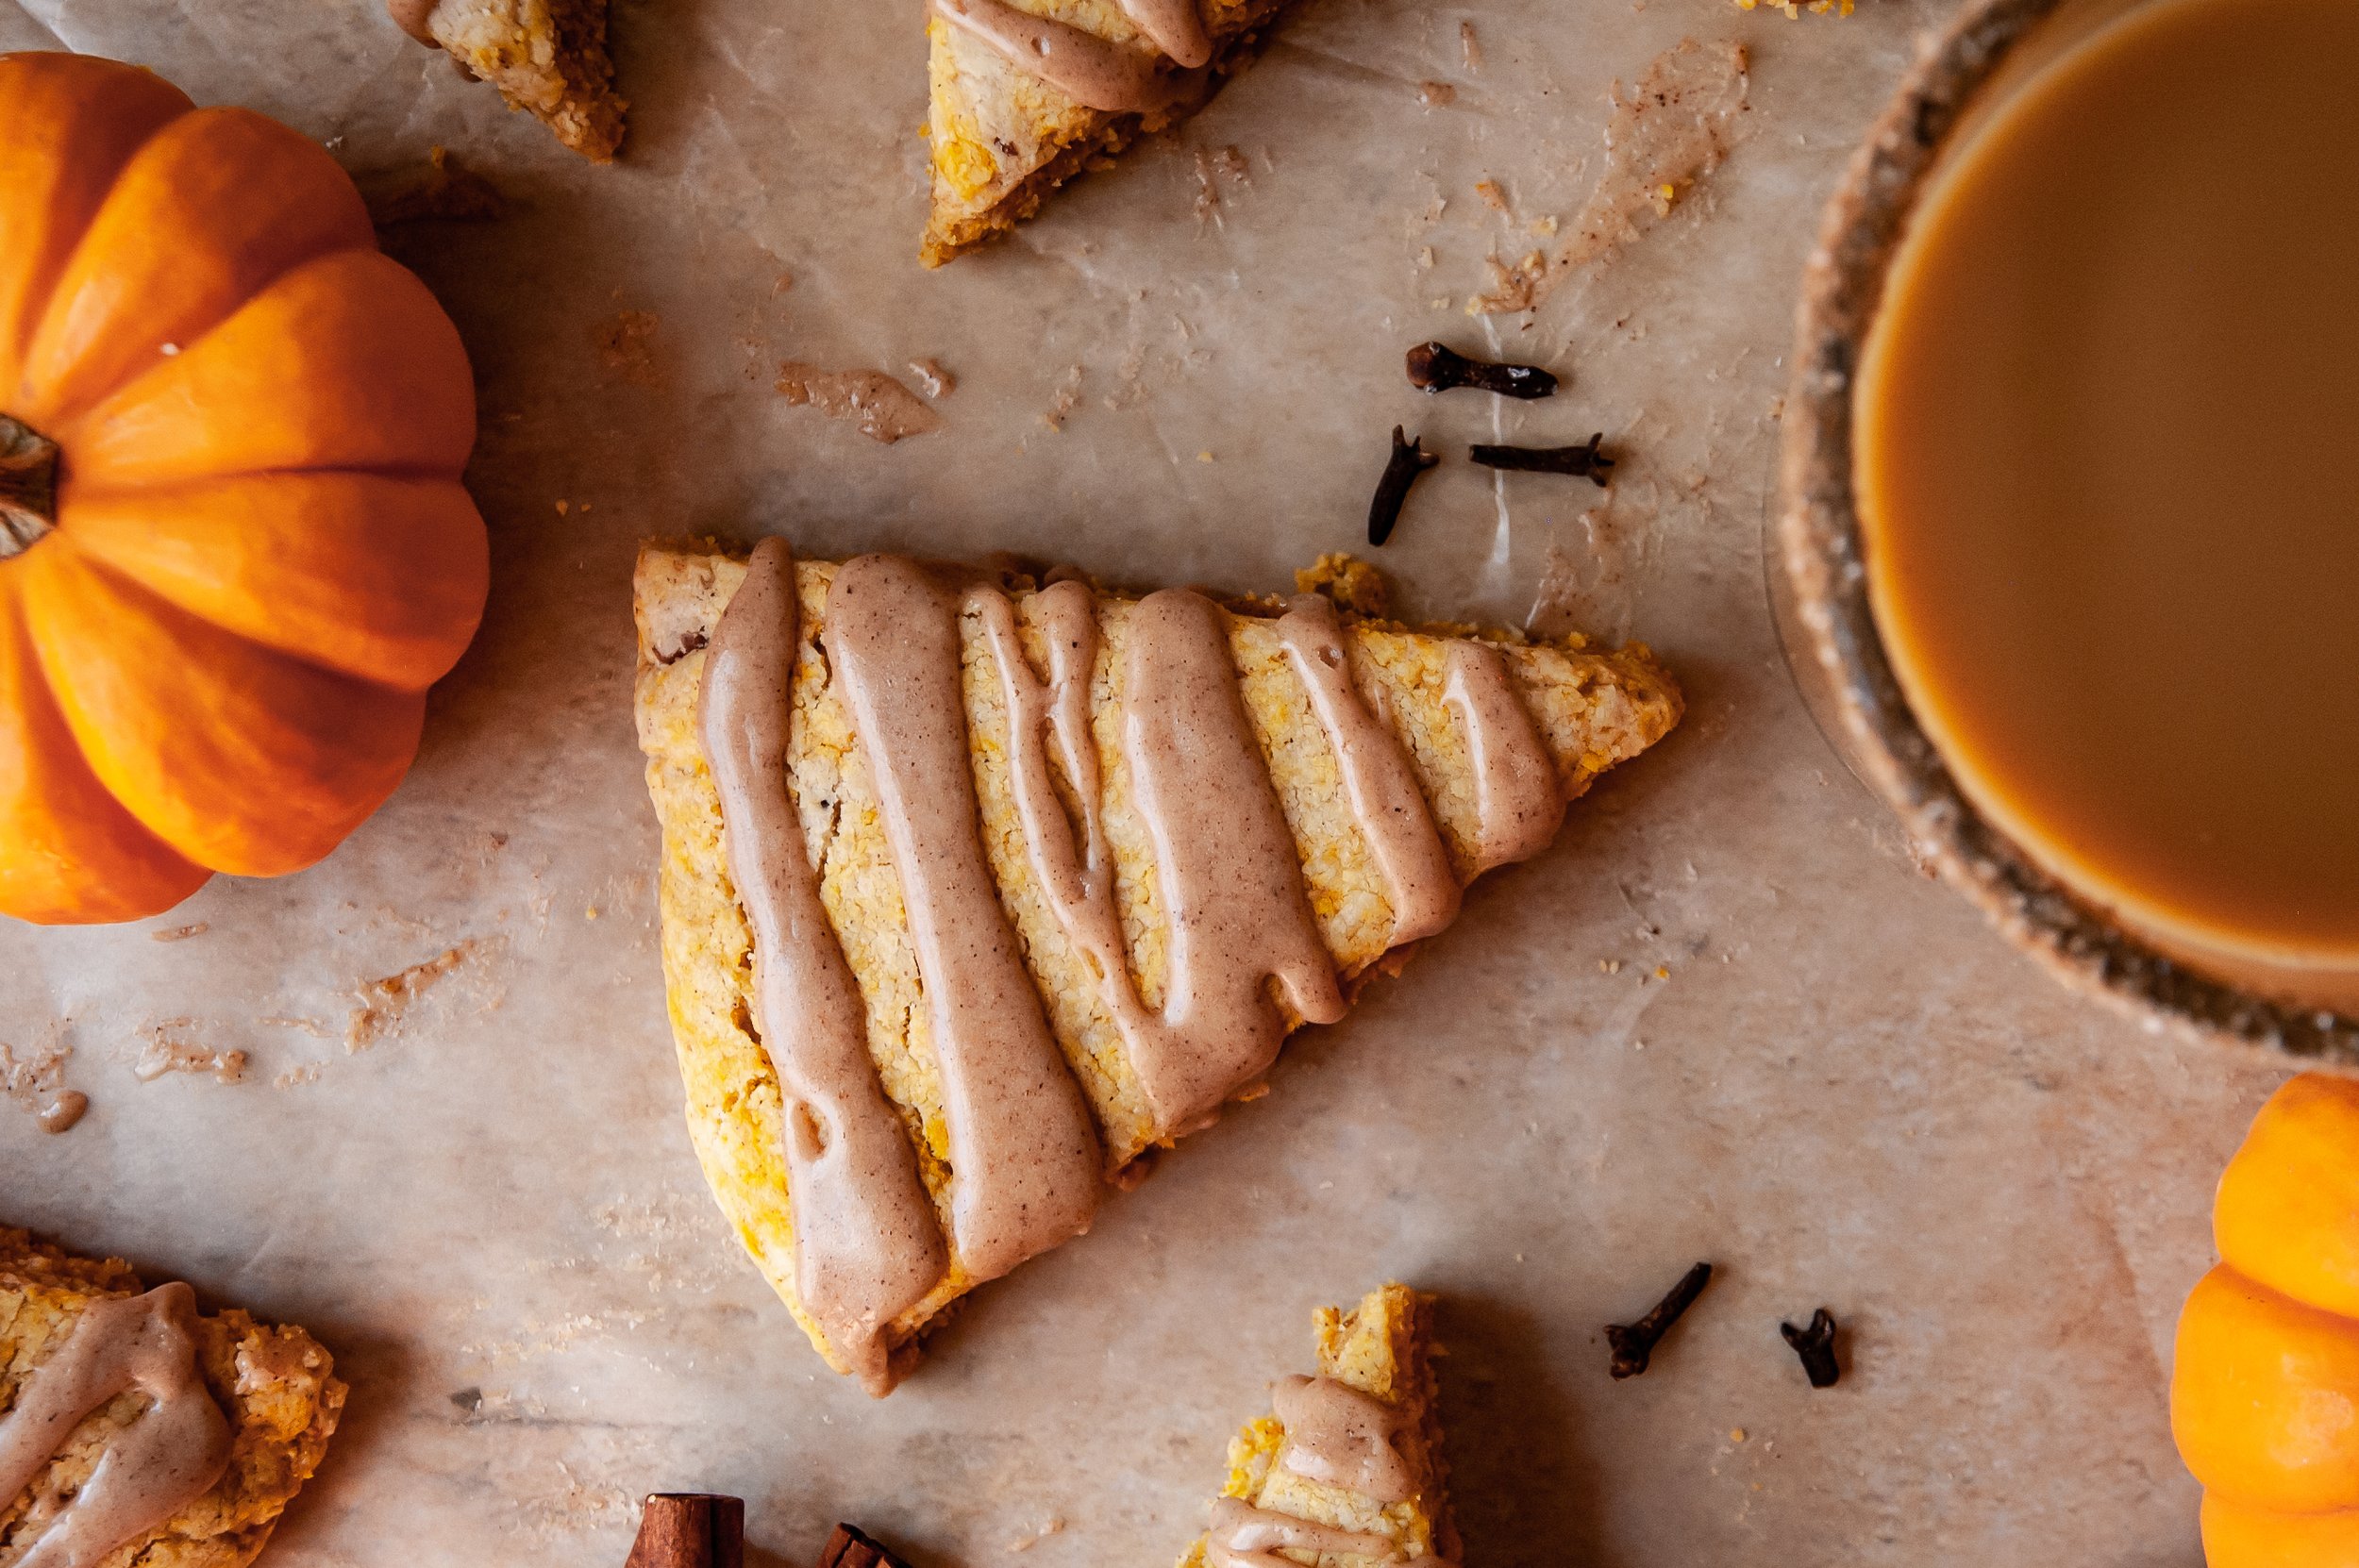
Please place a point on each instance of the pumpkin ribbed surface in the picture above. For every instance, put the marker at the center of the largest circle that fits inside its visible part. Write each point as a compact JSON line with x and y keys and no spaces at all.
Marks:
{"x":2264,"y":1390}
{"x":236,"y":551}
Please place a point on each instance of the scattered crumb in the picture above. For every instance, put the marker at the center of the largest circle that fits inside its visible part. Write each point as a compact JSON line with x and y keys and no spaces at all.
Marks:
{"x":622,"y":347}
{"x":1518,"y":287}
{"x":1610,"y":966}
{"x":1068,"y":395}
{"x":180,"y":933}
{"x":308,"y":1026}
{"x":1736,"y":1434}
{"x":1424,"y":258}
{"x":1672,"y":129}
{"x":785,"y":281}
{"x":937,"y":381}
{"x":1661,"y":973}
{"x":1666,"y":135}
{"x":564,"y":506}
{"x":295,"y":1076}
{"x":1793,"y":8}
{"x":1468,"y":47}
{"x":168,"y":1050}
{"x":384,"y":1002}
{"x":1353,"y":584}
{"x":1494,"y":195}
{"x":1205,"y":456}
{"x":440,"y":188}
{"x":885,"y":409}
{"x":1026,"y":1542}
{"x":1436,"y":94}
{"x":1544,"y":227}
{"x":35,"y":1081}
{"x":1214,"y":169}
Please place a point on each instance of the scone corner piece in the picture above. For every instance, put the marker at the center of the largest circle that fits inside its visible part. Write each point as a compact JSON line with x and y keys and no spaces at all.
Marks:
{"x":548,"y":57}
{"x":1383,"y":1347}
{"x":275,"y":1384}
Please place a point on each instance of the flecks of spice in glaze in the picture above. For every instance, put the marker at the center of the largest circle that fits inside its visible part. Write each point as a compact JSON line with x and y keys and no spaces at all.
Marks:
{"x":1024,"y":1155}
{"x":1519,"y":800}
{"x":1377,"y":781}
{"x":885,"y":409}
{"x":1225,"y":862}
{"x":1216,"y":1032}
{"x":169,"y":1456}
{"x":413,"y":17}
{"x":1243,"y":1535}
{"x":867,"y":1244}
{"x":1340,"y":1436}
{"x":1095,"y":73}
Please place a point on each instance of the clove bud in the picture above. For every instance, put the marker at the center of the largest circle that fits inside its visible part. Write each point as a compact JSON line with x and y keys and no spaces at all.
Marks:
{"x":1815,"y":1346}
{"x":1633,"y":1342}
{"x":1583,"y":462}
{"x":1435,"y":369}
{"x":1401,"y":469}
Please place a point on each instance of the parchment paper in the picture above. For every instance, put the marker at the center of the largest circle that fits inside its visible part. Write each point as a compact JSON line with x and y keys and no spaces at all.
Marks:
{"x":1845,"y":1092}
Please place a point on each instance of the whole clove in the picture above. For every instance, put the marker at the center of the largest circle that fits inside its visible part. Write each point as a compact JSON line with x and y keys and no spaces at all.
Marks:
{"x":690,"y":1529}
{"x":1583,"y":462}
{"x":1435,"y":369}
{"x":1815,"y":1346}
{"x":1633,"y":1342}
{"x":1401,"y":469}
{"x":852,"y":1547}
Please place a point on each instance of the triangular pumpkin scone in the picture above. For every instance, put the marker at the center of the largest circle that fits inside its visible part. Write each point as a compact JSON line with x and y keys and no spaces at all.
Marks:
{"x":977,"y":888}
{"x":1347,"y":1471}
{"x":1026,"y":93}
{"x":135,"y":1429}
{"x":547,"y":57}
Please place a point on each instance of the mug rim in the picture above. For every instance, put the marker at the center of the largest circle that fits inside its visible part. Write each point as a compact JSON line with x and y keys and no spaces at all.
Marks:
{"x":1820,"y":540}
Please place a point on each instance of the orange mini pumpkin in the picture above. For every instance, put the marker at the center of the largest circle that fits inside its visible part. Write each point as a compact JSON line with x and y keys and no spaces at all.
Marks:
{"x":234,"y":550}
{"x":2265,"y":1392}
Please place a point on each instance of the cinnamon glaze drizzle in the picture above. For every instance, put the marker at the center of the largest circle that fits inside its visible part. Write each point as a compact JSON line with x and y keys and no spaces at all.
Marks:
{"x":1335,"y":1435}
{"x":1093,"y":72}
{"x":1023,"y":1152}
{"x":866,"y":1245}
{"x":169,"y":1456}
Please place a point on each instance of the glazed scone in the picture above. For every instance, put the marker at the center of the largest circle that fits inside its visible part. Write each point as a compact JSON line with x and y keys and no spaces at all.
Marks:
{"x":1584,"y":710}
{"x":547,"y":57}
{"x":1002,"y":138}
{"x":274,"y":1386}
{"x":1382,"y":1349}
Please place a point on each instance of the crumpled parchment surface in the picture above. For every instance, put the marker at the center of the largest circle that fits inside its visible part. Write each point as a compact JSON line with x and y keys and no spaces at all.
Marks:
{"x":1725,"y":1018}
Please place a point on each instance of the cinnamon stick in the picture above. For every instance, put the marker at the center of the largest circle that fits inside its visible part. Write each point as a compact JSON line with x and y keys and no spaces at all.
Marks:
{"x":852,"y":1547}
{"x":690,"y":1529}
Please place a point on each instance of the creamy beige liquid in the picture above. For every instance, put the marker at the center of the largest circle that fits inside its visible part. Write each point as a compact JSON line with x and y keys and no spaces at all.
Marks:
{"x":2108,"y":466}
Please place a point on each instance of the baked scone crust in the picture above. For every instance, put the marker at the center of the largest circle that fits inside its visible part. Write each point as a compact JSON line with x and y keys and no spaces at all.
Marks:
{"x":275,"y":1384}
{"x":1593,"y":708}
{"x":1002,"y":139}
{"x":548,"y":57}
{"x":1383,"y":1347}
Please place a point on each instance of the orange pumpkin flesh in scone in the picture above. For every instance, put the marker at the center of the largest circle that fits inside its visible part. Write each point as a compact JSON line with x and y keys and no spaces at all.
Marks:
{"x":977,"y":889}
{"x":234,"y":549}
{"x":2264,"y":1390}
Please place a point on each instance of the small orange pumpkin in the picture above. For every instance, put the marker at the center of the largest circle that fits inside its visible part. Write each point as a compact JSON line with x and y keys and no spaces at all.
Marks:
{"x":234,"y":550}
{"x":2265,"y":1391}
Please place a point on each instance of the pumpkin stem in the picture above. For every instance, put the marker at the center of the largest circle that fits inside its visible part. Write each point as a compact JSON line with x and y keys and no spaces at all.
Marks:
{"x":29,"y":486}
